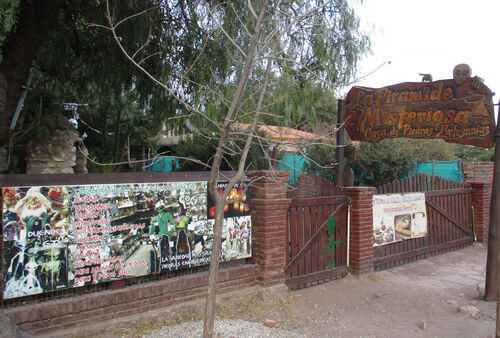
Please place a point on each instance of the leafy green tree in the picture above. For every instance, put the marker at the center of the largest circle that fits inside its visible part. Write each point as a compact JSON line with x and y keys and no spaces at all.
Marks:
{"x":194,"y":152}
{"x":19,"y":44}
{"x":8,"y":16}
{"x":380,"y":163}
{"x":474,"y":154}
{"x":71,"y":59}
{"x":322,"y":160}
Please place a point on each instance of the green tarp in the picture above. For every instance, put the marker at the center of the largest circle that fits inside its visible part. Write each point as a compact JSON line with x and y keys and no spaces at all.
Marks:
{"x":164,"y":164}
{"x":295,"y":164}
{"x":445,"y":169}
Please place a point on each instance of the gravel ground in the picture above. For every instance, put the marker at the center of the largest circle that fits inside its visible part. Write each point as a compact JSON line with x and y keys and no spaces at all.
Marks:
{"x":440,"y":296}
{"x":224,"y":329}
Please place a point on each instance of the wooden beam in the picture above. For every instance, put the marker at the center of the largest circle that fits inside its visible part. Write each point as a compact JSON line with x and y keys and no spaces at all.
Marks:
{"x":449,"y":217}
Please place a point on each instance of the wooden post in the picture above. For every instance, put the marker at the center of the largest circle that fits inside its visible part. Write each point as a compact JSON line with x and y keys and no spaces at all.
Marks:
{"x":339,"y":152}
{"x":495,"y":218}
{"x":490,"y":290}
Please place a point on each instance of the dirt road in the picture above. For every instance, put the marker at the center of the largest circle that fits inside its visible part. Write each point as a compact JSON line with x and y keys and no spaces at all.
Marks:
{"x":437,"y":297}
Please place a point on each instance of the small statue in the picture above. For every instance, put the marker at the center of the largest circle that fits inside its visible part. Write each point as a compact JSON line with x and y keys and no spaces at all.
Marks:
{"x":426,"y":77}
{"x":462,"y":72}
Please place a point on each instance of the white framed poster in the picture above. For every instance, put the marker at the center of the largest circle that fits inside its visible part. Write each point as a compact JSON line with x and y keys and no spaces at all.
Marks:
{"x":398,"y":217}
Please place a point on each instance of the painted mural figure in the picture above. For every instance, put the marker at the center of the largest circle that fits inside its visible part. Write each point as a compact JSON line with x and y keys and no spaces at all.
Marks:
{"x":169,"y":228}
{"x":165,"y":250}
{"x":35,"y":211}
{"x":12,"y":222}
{"x":15,"y":271}
{"x":163,"y":223}
{"x":51,"y":268}
{"x":245,"y":236}
{"x":30,"y":283}
{"x":332,"y":243}
{"x":183,"y":248}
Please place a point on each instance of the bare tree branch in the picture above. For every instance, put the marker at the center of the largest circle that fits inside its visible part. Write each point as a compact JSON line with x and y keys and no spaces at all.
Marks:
{"x":224,"y":31}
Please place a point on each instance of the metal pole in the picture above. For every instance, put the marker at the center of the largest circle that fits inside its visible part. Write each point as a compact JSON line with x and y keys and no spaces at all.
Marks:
{"x":339,"y":152}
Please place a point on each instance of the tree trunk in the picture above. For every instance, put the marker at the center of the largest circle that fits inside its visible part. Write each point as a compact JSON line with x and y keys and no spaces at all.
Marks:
{"x":208,"y":329}
{"x":214,"y":177}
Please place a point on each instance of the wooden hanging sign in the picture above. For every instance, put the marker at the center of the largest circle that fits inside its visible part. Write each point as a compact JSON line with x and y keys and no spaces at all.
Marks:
{"x":458,"y":111}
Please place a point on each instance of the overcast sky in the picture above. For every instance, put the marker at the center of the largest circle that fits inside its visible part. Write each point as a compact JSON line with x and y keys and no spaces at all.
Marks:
{"x":430,"y":36}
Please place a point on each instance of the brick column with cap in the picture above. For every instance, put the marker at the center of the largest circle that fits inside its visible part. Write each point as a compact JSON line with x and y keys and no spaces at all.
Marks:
{"x":481,"y":200}
{"x":270,"y":204}
{"x":361,"y":229}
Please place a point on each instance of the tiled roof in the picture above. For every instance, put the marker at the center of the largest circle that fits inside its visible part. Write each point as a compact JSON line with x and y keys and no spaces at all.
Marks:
{"x":283,"y":134}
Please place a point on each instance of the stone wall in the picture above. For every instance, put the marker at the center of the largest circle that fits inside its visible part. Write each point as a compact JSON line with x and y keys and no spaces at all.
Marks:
{"x":58,"y":154}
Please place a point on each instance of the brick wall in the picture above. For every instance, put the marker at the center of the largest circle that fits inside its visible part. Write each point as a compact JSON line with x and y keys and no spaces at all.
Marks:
{"x":478,"y":171}
{"x":80,"y":311}
{"x":480,"y":177}
{"x":269,"y":224}
{"x":361,"y":229}
{"x":481,"y":200}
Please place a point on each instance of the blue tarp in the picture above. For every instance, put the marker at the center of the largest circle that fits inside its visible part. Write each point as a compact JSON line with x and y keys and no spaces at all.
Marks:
{"x":164,"y":164}
{"x":295,"y":164}
{"x":445,"y":169}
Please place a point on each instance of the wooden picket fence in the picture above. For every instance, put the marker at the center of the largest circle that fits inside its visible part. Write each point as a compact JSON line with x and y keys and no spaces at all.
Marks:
{"x":314,"y":253}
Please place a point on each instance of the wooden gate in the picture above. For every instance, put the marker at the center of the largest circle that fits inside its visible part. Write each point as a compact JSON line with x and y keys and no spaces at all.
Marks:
{"x":449,"y":220}
{"x":317,"y":235}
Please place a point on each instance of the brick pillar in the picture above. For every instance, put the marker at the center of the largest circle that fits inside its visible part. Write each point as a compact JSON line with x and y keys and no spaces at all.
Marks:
{"x":269,"y":205}
{"x":481,"y":200}
{"x":361,"y":229}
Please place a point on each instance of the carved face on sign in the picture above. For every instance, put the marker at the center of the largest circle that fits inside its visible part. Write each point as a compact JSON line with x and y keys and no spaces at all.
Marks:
{"x":461,"y":73}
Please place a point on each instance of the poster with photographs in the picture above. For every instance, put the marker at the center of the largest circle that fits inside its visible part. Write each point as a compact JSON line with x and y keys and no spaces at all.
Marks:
{"x":60,"y":237}
{"x":397,"y":217}
{"x":236,"y":231}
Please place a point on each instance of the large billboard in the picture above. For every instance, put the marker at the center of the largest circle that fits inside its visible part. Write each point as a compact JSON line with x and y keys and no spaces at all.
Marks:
{"x":57,"y":237}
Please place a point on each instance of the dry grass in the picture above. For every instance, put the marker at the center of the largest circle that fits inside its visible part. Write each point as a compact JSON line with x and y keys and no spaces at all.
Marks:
{"x":255,"y":306}
{"x":143,"y":327}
